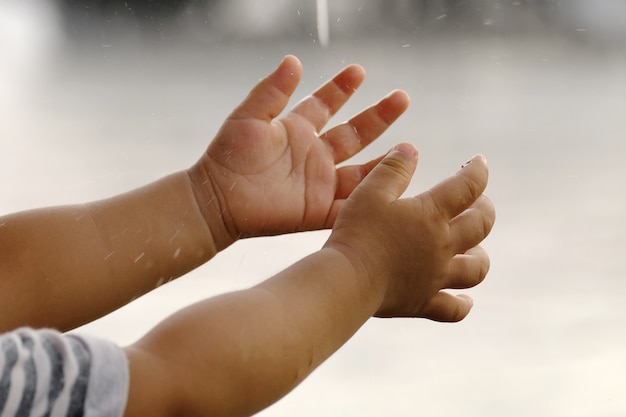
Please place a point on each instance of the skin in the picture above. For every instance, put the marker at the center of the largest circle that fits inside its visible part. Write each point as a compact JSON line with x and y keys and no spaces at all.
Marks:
{"x":271,"y":176}
{"x":386,"y":256}
{"x":259,"y":176}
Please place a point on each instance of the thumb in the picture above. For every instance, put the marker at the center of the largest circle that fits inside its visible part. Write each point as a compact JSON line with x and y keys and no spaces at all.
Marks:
{"x":391,"y":177}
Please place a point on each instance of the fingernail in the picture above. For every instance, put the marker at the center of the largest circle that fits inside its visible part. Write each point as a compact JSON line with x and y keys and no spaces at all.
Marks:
{"x":474,"y":158}
{"x":406,"y":148}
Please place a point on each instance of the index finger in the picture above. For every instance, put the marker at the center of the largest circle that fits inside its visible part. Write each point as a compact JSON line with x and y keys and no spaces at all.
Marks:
{"x":319,"y":107}
{"x":456,"y":193}
{"x":271,"y":95}
{"x":350,"y":137}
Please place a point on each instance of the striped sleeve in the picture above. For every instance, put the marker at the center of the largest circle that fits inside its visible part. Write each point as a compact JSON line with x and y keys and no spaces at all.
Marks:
{"x":49,"y":374}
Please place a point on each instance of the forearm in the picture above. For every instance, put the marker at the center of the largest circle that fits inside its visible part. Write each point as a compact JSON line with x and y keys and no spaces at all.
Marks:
{"x":261,"y":342}
{"x":64,"y":266}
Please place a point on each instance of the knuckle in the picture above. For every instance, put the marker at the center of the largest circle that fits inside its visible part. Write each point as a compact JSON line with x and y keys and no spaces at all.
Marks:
{"x":435,"y":210}
{"x":484,"y":266}
{"x":474,"y":187}
{"x":458,"y":313}
{"x":397,"y":167}
{"x":487,"y":218}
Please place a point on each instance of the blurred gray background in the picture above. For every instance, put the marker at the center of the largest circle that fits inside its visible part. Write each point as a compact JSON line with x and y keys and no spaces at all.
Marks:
{"x":97,"y":97}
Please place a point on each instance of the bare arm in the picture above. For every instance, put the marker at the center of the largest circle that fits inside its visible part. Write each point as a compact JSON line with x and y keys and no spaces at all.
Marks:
{"x":238,"y":353}
{"x":64,"y":266}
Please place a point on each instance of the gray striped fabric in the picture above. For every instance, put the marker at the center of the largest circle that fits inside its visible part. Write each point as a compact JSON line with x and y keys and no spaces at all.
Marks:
{"x":44,"y":373}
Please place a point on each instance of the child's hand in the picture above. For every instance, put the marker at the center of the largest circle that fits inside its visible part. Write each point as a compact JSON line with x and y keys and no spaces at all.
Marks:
{"x":264,"y":176}
{"x":416,"y":247}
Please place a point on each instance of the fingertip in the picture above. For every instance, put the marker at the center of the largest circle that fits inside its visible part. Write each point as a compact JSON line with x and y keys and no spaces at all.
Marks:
{"x":478,"y":158}
{"x":463,"y":308}
{"x":356,"y":68}
{"x":402,"y":101}
{"x":393,"y":105}
{"x":447,"y":308}
{"x":291,"y":65}
{"x":401,"y":96}
{"x":482,"y":256}
{"x":407,"y":149}
{"x":291,"y":59}
{"x":469,"y":301}
{"x":349,"y":79}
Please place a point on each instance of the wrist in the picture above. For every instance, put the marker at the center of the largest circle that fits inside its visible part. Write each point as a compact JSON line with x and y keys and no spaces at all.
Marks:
{"x":366,"y":271}
{"x":212,"y":206}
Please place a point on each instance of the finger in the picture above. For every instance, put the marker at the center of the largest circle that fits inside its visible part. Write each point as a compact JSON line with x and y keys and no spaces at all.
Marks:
{"x":445,"y":307}
{"x":319,"y":107}
{"x":473,"y":225}
{"x":348,"y":177}
{"x":468,"y":269}
{"x":455,"y":194}
{"x":271,"y":95}
{"x":390,"y":178}
{"x":350,"y":137}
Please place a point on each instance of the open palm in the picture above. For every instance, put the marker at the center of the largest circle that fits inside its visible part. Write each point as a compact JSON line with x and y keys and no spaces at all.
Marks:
{"x":273,"y":176}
